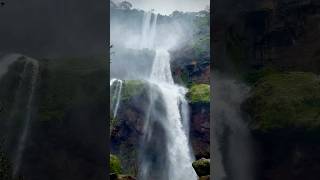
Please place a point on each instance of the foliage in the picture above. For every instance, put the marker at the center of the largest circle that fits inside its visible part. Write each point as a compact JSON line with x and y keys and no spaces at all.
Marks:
{"x":201,"y":43}
{"x":285,"y":100}
{"x":115,"y":165}
{"x":70,"y":82}
{"x":255,"y":75}
{"x":199,"y":93}
{"x":132,"y":88}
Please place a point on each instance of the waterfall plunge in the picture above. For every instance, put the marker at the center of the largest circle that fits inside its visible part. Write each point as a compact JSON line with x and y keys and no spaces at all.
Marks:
{"x":174,"y":125}
{"x":27,"y":123}
{"x":165,"y":149}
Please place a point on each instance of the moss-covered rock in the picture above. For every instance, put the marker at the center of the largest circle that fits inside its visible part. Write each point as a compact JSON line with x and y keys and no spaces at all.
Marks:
{"x":115,"y":165}
{"x":285,"y":101}
{"x":132,"y":88}
{"x":199,"y":93}
{"x":202,"y":167}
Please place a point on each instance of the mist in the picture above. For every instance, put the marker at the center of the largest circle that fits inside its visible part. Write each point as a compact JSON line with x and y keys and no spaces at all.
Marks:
{"x":128,"y":60}
{"x":233,"y":145}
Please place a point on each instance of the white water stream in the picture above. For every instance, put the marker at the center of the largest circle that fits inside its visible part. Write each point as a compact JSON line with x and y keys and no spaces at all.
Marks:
{"x":5,"y":62}
{"x":167,"y":119}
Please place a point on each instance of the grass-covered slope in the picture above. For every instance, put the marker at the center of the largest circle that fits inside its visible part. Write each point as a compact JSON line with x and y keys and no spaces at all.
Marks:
{"x":285,"y":101}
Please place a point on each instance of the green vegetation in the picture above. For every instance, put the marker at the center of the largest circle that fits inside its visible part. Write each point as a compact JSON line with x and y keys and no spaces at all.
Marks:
{"x":254,"y":76}
{"x":199,"y":93}
{"x":202,"y":167}
{"x":132,"y":88}
{"x":68,"y":83}
{"x":285,"y":100}
{"x":115,"y":165}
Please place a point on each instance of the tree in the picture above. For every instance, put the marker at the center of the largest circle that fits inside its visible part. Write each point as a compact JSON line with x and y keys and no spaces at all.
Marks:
{"x":125,"y":5}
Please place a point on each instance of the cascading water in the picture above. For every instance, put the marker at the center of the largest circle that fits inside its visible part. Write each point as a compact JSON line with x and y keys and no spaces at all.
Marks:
{"x":234,"y":147}
{"x":165,"y":152}
{"x":30,"y":64}
{"x":175,"y":147}
{"x":116,"y":90}
{"x":28,"y":116}
{"x":148,"y":30}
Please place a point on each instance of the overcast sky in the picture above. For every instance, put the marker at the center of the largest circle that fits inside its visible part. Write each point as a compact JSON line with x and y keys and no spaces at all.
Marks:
{"x":168,"y":6}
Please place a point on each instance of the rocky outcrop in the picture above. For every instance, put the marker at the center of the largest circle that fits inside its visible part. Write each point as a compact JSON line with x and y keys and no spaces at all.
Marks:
{"x":127,"y":131}
{"x":202,"y":167}
{"x":284,"y":110}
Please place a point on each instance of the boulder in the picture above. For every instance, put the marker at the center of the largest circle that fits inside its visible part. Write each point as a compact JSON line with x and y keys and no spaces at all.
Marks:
{"x":202,"y":167}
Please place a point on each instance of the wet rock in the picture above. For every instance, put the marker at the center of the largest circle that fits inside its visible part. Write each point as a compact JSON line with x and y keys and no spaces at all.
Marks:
{"x":202,"y":167}
{"x":204,"y":178}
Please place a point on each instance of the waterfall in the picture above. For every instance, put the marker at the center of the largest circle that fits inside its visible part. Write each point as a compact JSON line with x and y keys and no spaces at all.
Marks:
{"x":28,"y":116}
{"x":116,"y":85}
{"x":6,"y":61}
{"x":32,"y":64}
{"x":165,"y":153}
{"x":149,"y":25}
{"x":175,"y":147}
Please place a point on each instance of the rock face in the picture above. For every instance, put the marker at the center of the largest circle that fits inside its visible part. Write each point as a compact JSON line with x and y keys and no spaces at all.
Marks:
{"x":127,"y":129}
{"x":284,"y":108}
{"x":128,"y":126}
{"x":281,"y":34}
{"x":202,"y":167}
{"x":200,"y":129}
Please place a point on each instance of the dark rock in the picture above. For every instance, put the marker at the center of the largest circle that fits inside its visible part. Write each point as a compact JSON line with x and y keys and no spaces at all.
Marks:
{"x":204,"y":178}
{"x":113,"y":176}
{"x":202,"y":167}
{"x":200,"y":129}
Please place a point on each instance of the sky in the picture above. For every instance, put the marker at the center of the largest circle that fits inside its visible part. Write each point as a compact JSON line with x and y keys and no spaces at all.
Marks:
{"x":166,"y":7}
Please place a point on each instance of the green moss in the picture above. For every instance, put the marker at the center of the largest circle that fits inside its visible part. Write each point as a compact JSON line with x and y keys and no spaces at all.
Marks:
{"x":69,"y":83}
{"x":132,"y":88}
{"x":115,"y":165}
{"x":199,"y":93}
{"x":285,"y":100}
{"x":254,"y":76}
{"x":202,"y":167}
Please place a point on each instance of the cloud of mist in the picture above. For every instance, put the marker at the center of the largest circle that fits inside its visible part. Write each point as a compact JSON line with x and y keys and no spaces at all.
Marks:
{"x":172,"y":32}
